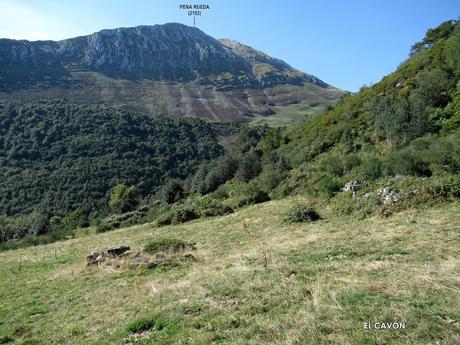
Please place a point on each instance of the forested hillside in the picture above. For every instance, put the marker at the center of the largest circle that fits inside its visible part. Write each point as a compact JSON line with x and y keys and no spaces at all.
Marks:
{"x":393,"y":145}
{"x":57,"y":158}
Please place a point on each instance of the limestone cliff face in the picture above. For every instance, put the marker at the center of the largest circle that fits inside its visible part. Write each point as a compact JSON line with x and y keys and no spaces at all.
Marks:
{"x":172,"y":67}
{"x":173,"y":52}
{"x":162,"y":52}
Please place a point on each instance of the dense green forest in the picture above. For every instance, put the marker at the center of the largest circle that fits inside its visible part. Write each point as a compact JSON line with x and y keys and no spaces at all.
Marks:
{"x":394,"y":144}
{"x":57,"y":158}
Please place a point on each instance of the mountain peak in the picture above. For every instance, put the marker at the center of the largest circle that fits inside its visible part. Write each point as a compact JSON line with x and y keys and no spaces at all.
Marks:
{"x":167,"y":28}
{"x":157,"y":55}
{"x":171,"y":51}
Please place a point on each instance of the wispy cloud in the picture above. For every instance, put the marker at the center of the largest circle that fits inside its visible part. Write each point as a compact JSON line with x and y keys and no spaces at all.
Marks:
{"x":21,"y":21}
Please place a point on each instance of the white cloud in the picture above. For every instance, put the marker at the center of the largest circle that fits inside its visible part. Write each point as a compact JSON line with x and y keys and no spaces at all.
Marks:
{"x":21,"y":21}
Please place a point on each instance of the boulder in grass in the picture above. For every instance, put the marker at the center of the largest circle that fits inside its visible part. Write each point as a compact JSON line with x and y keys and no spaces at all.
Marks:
{"x":117,"y":251}
{"x":93,"y":259}
{"x":389,"y":196}
{"x":190,"y":257}
{"x":353,"y":187}
{"x":138,"y":261}
{"x":156,"y":263}
{"x":131,"y":253}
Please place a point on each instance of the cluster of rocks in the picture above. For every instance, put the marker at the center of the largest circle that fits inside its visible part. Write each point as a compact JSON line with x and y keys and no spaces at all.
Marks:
{"x":123,"y":255}
{"x":386,"y":195}
{"x":353,"y":187}
{"x":389,"y":196}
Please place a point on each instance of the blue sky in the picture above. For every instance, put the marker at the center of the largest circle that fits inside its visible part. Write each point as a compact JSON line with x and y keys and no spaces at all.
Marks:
{"x":345,"y":43}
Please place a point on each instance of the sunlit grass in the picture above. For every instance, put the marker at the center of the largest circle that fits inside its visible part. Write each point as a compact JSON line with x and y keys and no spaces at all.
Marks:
{"x":257,"y":280}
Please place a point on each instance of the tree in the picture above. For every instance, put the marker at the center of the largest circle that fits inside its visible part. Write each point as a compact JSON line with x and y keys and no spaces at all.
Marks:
{"x":40,"y":223}
{"x":123,"y":198}
{"x":7,"y":231}
{"x":390,"y":114}
{"x":271,"y":140}
{"x":432,"y":36}
{"x":198,"y":181}
{"x":433,"y":88}
{"x":223,"y":171}
{"x":249,"y":166}
{"x":173,"y":191}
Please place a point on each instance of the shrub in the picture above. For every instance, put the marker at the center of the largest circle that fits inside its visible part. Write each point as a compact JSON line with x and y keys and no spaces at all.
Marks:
{"x":184,"y":214}
{"x":332,"y":165}
{"x":283,"y":189}
{"x":327,"y":186}
{"x":165,"y":219}
{"x":40,"y":224}
{"x":178,"y":214}
{"x":370,"y":168}
{"x":223,"y":171}
{"x":445,"y":187}
{"x":123,"y":198}
{"x":271,"y":177}
{"x":144,"y":324}
{"x":388,"y":114}
{"x":104,"y":228}
{"x":167,"y":245}
{"x":248,"y":194}
{"x":350,"y":162}
{"x":408,"y":162}
{"x":301,"y":213}
{"x":210,"y":207}
{"x":219,"y":210}
{"x":259,"y":196}
{"x":7,"y":229}
{"x":220,"y":193}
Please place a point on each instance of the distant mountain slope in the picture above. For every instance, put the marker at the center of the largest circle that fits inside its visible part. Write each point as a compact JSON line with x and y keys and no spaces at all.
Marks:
{"x":171,"y":69}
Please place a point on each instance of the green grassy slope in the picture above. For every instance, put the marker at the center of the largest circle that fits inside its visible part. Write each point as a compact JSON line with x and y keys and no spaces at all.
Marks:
{"x":289,"y":115}
{"x":256,"y":280}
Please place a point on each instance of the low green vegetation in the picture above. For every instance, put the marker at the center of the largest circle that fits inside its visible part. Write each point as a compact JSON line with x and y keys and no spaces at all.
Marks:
{"x":144,"y":324}
{"x":292,"y":114}
{"x":166,"y":245}
{"x":301,"y":213}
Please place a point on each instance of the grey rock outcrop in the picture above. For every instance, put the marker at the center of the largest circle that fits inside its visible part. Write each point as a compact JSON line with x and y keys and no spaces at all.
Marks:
{"x":389,"y":196}
{"x":352,"y":186}
{"x":117,"y":251}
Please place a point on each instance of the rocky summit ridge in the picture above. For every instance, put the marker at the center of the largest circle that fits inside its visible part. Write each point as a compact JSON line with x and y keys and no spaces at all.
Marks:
{"x":139,"y":68}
